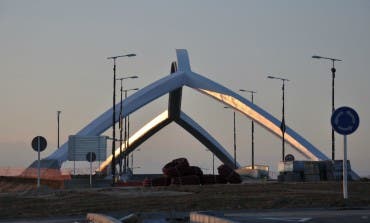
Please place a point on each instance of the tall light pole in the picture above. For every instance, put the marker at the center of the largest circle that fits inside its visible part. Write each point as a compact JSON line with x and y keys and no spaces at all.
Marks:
{"x":127,"y":135}
{"x":234,"y":131}
{"x":282,"y":126}
{"x":213,"y":161}
{"x":252,"y":94}
{"x":332,"y":100}
{"x":58,"y":119}
{"x":113,"y":165}
{"x":120,"y":121}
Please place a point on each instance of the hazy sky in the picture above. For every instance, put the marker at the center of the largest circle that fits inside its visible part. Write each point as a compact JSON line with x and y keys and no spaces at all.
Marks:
{"x":53,"y":57}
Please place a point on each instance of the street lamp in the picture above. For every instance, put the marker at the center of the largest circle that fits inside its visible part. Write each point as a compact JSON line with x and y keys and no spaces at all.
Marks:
{"x":332,"y":100}
{"x":213,"y":161}
{"x":120,"y":121}
{"x":234,"y":137}
{"x":127,"y":132}
{"x":252,"y":94}
{"x":58,"y":115}
{"x":113,"y":165}
{"x":282,"y":126}
{"x":213,"y":164}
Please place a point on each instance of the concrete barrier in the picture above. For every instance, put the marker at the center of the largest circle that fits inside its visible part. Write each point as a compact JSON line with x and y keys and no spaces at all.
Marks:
{"x":197,"y":217}
{"x":100,"y":218}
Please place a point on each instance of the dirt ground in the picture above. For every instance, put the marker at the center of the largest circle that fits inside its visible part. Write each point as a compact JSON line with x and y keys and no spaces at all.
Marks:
{"x":28,"y":202}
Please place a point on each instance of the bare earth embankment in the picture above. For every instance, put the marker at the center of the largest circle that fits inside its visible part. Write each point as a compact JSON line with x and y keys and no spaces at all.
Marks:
{"x":48,"y":202}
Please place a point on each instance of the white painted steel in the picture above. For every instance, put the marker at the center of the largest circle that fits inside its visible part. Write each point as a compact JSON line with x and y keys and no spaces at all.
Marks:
{"x":185,"y":77}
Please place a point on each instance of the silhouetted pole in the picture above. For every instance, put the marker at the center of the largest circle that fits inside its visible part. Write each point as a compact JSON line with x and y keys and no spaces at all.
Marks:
{"x":113,"y":164}
{"x":213,"y":163}
{"x":128,"y":134}
{"x":58,"y":120}
{"x":120,"y":129}
{"x":282,"y":126}
{"x":234,"y":141}
{"x":234,"y":132}
{"x":252,"y":128}
{"x":332,"y":100}
{"x":128,"y":144}
{"x":125,"y":140}
{"x":120,"y":123}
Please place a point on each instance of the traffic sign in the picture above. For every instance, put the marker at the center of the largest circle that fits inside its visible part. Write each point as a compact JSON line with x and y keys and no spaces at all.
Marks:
{"x":90,"y":157}
{"x":39,"y":141}
{"x":38,"y":144}
{"x":289,"y":157}
{"x":345,"y":120}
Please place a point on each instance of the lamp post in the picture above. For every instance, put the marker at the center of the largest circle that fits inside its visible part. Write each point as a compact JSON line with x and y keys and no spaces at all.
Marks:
{"x":252,"y":128}
{"x":113,"y":165}
{"x":58,"y":119}
{"x":234,"y":131}
{"x":282,"y":126}
{"x":213,"y":161}
{"x":332,"y":100}
{"x":127,"y":132}
{"x":213,"y":164}
{"x":120,"y":121}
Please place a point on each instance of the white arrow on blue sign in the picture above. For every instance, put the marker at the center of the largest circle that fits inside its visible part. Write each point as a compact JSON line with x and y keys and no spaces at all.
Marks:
{"x":345,"y":120}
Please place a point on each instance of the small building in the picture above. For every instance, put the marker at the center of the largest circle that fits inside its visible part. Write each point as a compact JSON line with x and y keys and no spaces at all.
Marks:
{"x":312,"y":171}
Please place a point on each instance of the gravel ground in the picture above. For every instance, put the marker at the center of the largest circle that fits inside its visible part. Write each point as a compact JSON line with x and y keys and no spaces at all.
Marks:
{"x":258,"y":195}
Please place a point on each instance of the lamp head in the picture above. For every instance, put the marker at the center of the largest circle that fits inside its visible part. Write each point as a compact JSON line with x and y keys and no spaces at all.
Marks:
{"x":316,"y":57}
{"x":127,"y":55}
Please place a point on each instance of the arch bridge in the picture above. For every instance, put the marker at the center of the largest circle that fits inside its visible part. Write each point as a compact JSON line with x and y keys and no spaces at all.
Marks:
{"x":181,"y":75}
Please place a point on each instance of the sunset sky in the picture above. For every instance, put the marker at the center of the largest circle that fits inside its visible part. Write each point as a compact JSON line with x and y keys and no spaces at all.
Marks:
{"x":53,"y":57}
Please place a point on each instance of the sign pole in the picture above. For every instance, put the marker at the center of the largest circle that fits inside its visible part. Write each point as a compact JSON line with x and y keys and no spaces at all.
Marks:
{"x":38,"y":144}
{"x":345,"y":121}
{"x":90,"y":157}
{"x":345,"y":188}
{"x":38,"y":163}
{"x":90,"y":170}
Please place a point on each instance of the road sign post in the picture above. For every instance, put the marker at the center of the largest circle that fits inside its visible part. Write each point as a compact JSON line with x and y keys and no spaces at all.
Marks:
{"x":38,"y":163}
{"x":345,"y":187}
{"x":90,"y":157}
{"x":345,"y":121}
{"x":39,"y":144}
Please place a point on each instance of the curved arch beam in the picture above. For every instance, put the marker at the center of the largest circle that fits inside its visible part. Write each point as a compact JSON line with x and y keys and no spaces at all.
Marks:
{"x":139,"y":137}
{"x":160,"y":122}
{"x":185,"y":77}
{"x":131,"y":104}
{"x":206,"y":139}
{"x":257,"y":114}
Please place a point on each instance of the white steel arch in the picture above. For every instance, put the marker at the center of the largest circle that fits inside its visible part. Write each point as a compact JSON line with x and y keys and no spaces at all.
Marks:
{"x":186,"y":77}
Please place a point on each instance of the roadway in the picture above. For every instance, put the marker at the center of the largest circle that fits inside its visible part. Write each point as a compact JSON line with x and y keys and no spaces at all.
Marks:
{"x":286,"y":216}
{"x":250,"y":216}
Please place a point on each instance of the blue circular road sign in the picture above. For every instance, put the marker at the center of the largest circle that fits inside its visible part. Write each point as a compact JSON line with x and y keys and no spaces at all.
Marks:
{"x":289,"y":157}
{"x":39,"y":140}
{"x":345,"y":120}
